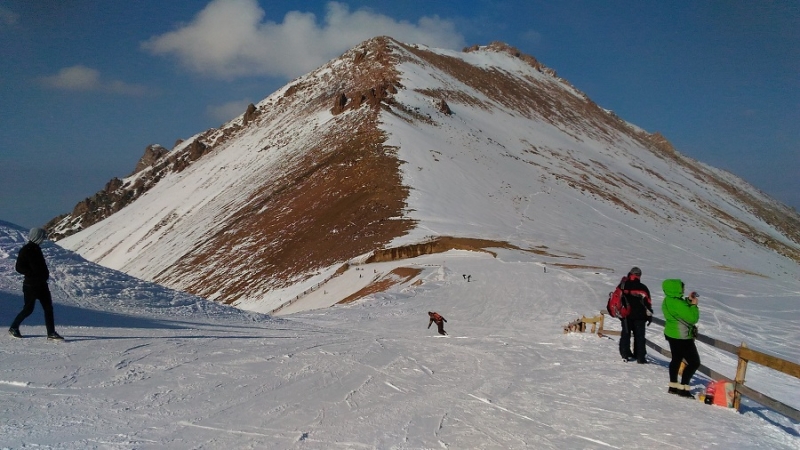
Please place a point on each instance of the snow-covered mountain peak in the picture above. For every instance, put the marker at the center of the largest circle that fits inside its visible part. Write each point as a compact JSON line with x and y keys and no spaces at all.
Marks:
{"x":396,"y":144}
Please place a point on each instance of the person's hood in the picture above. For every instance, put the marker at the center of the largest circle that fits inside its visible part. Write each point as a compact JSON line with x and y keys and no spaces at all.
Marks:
{"x":673,"y":288}
{"x":37,"y":235}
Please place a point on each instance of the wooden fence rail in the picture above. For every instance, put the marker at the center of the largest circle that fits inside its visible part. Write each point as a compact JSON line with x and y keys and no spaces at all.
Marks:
{"x":744,"y":355}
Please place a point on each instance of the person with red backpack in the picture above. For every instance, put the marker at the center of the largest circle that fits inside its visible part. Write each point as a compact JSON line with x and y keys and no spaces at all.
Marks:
{"x":618,"y":307}
{"x":439,"y":320}
{"x":637,"y":296}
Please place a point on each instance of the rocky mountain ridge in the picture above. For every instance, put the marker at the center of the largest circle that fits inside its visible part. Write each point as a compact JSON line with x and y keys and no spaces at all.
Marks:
{"x":329,"y":168}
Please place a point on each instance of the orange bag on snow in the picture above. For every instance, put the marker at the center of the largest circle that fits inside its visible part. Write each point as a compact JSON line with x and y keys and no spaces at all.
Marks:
{"x":720,"y":393}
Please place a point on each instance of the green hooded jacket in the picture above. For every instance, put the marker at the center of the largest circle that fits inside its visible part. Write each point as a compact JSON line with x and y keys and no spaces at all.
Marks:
{"x":679,"y":313}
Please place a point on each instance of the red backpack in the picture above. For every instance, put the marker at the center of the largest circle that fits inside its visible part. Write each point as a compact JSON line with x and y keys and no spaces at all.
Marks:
{"x":617,"y":305}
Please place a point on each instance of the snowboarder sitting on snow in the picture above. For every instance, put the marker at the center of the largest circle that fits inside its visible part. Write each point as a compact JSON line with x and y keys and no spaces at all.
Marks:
{"x":436,"y":317}
{"x":31,"y":263}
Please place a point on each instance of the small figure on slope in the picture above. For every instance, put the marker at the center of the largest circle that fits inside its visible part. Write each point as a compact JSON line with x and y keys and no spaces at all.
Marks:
{"x":439,"y":320}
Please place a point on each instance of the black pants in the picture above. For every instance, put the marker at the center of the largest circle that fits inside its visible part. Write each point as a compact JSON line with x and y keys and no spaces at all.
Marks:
{"x":639,"y":343}
{"x":625,"y":340}
{"x":683,"y":349}
{"x":31,"y":293}
{"x":440,"y":325}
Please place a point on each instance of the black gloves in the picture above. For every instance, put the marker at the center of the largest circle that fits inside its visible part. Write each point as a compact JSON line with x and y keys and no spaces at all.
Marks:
{"x":649,"y":320}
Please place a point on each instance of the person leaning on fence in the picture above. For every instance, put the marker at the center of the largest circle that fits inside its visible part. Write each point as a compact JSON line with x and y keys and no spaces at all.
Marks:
{"x":438,"y":320}
{"x":680,"y":316}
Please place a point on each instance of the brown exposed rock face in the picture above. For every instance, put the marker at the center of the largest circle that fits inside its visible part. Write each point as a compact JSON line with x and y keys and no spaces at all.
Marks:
{"x":250,"y":114}
{"x":543,"y":99}
{"x":359,"y":57}
{"x":342,"y":198}
{"x":151,"y":154}
{"x":444,"y":108}
{"x":339,"y":104}
{"x":196,"y":150}
{"x":374,"y":96}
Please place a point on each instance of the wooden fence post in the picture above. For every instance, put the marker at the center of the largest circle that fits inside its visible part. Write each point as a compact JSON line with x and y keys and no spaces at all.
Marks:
{"x":602,"y":323}
{"x":741,"y":369}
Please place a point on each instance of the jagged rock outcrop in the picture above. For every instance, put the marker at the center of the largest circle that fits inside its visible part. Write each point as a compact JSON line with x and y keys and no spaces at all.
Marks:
{"x":444,"y":108}
{"x":373,"y":97}
{"x":154,"y":164}
{"x":152,"y":154}
{"x":91,"y":210}
{"x":250,"y":114}
{"x":339,"y":104}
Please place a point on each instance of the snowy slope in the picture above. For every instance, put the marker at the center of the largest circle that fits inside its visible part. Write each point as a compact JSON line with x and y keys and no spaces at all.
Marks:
{"x":525,"y":158}
{"x":146,"y":367}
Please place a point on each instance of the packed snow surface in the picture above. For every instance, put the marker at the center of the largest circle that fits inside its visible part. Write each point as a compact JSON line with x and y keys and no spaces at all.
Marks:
{"x":146,"y":367}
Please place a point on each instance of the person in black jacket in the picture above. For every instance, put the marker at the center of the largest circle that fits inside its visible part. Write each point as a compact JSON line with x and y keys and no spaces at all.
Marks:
{"x":638,"y":297}
{"x":31,"y":263}
{"x":625,"y":334}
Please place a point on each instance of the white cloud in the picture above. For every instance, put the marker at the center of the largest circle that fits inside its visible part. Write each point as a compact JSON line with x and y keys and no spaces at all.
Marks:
{"x":229,"y":38}
{"x":227,"y":111}
{"x":82,"y":78}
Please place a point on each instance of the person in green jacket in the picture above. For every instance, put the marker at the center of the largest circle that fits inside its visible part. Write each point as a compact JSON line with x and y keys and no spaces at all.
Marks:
{"x":680,"y":316}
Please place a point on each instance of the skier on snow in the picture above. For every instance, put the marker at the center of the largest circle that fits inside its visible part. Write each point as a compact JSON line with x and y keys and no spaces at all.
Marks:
{"x":439,"y":320}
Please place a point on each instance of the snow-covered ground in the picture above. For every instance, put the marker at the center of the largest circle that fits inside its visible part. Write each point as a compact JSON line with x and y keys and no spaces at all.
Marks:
{"x":146,"y":367}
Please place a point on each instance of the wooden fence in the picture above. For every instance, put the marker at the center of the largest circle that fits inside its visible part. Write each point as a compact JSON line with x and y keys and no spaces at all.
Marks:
{"x":745,"y":355}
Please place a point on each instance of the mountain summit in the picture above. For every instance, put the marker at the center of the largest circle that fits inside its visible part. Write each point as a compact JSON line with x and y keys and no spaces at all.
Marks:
{"x":398,"y":149}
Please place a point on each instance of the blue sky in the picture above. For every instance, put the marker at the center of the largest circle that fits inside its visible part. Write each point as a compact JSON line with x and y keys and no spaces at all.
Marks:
{"x":85,"y":86}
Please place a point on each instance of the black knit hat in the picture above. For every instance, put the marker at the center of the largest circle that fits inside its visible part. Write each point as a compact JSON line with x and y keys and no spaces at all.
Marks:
{"x":635,"y":271}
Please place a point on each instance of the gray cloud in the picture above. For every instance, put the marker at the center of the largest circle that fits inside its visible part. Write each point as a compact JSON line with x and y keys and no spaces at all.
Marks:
{"x":82,"y":78}
{"x":230,"y":39}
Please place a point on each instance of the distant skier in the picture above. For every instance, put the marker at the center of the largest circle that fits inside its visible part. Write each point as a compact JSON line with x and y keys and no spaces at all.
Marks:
{"x":31,"y":263}
{"x":439,"y":320}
